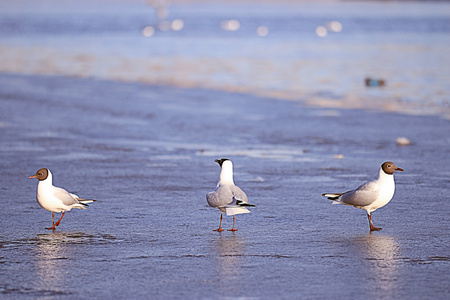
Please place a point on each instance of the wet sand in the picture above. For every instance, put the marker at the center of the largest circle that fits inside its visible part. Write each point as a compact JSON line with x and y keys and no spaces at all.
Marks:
{"x":147,"y":154}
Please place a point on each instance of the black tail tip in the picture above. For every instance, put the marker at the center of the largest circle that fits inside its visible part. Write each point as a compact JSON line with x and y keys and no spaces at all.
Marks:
{"x":242,"y":203}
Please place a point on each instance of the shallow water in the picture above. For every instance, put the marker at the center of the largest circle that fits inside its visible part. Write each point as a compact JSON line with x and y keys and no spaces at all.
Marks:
{"x":145,"y":148}
{"x":404,"y":43}
{"x":147,"y":154}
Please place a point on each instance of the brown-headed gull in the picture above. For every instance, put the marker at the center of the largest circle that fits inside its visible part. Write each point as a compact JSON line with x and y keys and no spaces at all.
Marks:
{"x":55,"y":199}
{"x":371,"y":195}
{"x":227,"y":197}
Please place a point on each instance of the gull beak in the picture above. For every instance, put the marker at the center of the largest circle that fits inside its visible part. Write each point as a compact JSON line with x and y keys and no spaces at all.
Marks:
{"x":34,"y":176}
{"x":399,"y":169}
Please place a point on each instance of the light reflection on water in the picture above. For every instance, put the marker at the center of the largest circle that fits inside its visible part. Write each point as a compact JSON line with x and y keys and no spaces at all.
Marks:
{"x":381,"y":254}
{"x":230,"y":250}
{"x":52,"y":253}
{"x":54,"y":256}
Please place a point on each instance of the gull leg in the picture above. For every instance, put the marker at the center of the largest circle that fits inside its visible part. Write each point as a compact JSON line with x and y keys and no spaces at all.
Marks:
{"x":372,"y":228}
{"x":234,"y":220}
{"x":53,"y":222}
{"x":59,"y":221}
{"x":220,"y":225}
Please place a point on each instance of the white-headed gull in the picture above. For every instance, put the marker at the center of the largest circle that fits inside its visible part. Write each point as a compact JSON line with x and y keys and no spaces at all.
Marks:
{"x":227,"y":197}
{"x":55,"y":199}
{"x":371,"y":195}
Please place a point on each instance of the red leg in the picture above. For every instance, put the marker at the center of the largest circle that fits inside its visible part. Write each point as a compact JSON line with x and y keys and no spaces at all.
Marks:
{"x":53,"y":222}
{"x":372,"y":228}
{"x":220,"y":225}
{"x":234,"y":220}
{"x":59,"y":221}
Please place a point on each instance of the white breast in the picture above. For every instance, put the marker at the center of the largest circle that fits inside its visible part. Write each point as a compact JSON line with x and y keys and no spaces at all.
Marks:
{"x":47,"y":198}
{"x":386,"y":192}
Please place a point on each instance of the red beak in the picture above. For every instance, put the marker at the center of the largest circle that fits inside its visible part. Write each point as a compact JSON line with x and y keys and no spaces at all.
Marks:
{"x":399,"y":169}
{"x":34,"y":176}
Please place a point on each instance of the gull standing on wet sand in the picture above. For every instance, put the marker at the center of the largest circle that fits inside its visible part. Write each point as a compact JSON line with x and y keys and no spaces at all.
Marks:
{"x":371,"y":195}
{"x":227,"y":197}
{"x":55,"y":199}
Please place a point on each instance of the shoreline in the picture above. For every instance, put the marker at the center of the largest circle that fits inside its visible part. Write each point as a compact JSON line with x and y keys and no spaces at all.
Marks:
{"x":136,"y":70}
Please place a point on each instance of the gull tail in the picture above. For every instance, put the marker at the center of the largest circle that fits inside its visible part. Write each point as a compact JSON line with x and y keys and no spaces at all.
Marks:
{"x":81,"y":200}
{"x":240,"y":207}
{"x":333,"y":196}
{"x":243,"y":204}
{"x":84,"y":201}
{"x":230,"y":211}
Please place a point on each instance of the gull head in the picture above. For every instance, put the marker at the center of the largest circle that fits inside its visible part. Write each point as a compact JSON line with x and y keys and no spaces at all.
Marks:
{"x":226,"y":171}
{"x":221,"y":161}
{"x":41,"y":174}
{"x":389,"y":167}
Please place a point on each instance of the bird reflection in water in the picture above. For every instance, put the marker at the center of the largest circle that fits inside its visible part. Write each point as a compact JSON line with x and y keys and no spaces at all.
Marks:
{"x":52,"y":253}
{"x":230,"y":251}
{"x":381,"y":254}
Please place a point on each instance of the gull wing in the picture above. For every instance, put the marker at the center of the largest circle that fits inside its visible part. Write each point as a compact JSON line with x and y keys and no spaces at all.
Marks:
{"x":364,"y":195}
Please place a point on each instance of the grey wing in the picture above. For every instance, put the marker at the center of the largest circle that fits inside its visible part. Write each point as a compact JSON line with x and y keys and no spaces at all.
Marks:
{"x":238,"y":194}
{"x":65,"y":196}
{"x":220,"y":197}
{"x":364,"y":195}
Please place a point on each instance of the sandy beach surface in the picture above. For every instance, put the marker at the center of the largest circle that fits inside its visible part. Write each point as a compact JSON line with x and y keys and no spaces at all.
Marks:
{"x":141,"y":138}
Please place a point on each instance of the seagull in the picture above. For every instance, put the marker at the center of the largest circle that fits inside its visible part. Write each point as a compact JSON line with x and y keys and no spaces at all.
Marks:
{"x":228,"y":197}
{"x":55,"y":199}
{"x":371,"y":195}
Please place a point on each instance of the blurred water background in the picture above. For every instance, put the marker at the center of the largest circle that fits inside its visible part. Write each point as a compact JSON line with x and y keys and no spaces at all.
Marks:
{"x":319,"y":53}
{"x":130,"y":102}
